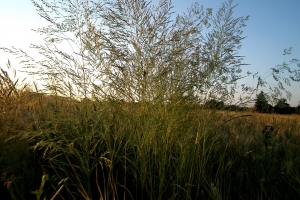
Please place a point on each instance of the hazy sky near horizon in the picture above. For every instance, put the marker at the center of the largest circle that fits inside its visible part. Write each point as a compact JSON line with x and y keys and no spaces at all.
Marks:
{"x":272,"y":27}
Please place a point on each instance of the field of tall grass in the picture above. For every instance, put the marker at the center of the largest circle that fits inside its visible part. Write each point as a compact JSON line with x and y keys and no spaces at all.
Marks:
{"x":55,"y":147}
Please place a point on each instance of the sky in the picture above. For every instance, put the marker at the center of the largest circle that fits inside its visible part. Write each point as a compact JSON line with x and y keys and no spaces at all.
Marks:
{"x":273,"y":26}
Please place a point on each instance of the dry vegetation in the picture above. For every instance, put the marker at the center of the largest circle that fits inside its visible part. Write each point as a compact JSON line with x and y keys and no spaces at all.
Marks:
{"x":118,"y":150}
{"x":107,"y":146}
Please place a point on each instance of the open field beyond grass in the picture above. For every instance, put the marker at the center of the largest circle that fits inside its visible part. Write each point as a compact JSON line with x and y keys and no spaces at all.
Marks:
{"x":117,"y":150}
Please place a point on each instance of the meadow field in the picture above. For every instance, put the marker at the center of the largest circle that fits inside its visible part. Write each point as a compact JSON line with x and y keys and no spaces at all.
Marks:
{"x":120,"y":150}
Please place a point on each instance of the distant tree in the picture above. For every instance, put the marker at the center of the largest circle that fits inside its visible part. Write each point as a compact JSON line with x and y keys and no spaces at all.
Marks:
{"x":261,"y":103}
{"x":297,"y":109}
{"x":270,"y":108}
{"x":214,"y":104}
{"x":293,"y":110}
{"x":282,"y":107}
{"x":234,"y":108}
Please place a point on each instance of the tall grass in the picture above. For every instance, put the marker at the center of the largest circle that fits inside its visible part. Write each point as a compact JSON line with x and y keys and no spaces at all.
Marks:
{"x":112,"y":149}
{"x":139,"y":132}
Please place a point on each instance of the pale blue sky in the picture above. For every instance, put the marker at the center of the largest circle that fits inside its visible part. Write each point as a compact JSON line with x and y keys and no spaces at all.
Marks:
{"x":272,"y":27}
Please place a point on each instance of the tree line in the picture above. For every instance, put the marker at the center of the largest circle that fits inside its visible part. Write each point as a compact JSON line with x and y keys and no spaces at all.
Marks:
{"x":261,"y":105}
{"x":281,"y":107}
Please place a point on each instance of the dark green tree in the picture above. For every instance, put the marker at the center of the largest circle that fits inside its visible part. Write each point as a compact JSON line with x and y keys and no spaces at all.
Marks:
{"x":282,"y":106}
{"x":214,"y":104}
{"x":298,"y":109}
{"x":261,"y":103}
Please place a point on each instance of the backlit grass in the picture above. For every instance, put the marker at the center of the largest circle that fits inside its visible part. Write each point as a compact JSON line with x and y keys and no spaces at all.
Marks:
{"x":121,"y":150}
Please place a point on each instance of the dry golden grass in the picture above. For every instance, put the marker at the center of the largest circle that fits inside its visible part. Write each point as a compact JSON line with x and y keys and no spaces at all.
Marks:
{"x":177,"y":151}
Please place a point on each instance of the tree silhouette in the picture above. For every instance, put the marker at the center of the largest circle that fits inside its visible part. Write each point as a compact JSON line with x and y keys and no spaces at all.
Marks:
{"x":261,"y":103}
{"x":214,"y":104}
{"x":282,"y":107}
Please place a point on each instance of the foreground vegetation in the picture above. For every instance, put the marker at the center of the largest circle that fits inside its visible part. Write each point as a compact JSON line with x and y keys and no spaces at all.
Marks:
{"x":119,"y":150}
{"x":124,"y":119}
